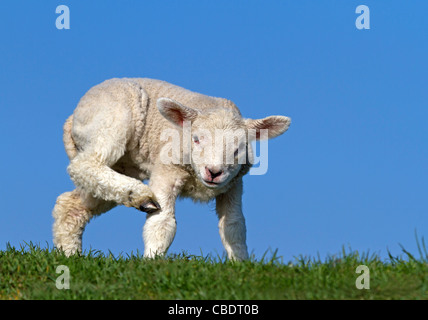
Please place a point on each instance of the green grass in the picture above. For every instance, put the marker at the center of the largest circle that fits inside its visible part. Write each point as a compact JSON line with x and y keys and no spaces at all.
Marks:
{"x":29,"y":273}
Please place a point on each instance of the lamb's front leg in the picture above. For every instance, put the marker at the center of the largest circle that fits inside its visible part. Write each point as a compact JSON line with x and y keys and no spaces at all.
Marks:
{"x":160,"y":227}
{"x":95,"y":177}
{"x":232,"y":222}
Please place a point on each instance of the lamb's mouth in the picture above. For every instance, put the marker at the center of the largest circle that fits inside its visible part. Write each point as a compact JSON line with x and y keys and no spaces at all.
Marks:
{"x":211,"y":184}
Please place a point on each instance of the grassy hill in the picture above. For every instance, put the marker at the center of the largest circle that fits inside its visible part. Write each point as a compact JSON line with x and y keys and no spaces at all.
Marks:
{"x":29,"y":272}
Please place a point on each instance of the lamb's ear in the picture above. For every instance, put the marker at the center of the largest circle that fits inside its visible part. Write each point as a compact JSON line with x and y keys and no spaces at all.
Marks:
{"x":175,"y":112}
{"x":275,"y":126}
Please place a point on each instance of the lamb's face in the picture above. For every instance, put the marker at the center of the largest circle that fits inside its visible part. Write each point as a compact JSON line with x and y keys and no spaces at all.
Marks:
{"x":219,"y":147}
{"x":219,"y":138}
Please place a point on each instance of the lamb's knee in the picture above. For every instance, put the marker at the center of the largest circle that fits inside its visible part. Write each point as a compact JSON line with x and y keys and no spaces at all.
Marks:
{"x":158,"y":234}
{"x":160,"y":227}
{"x":233,"y":235}
{"x":233,"y":231}
{"x":69,"y":205}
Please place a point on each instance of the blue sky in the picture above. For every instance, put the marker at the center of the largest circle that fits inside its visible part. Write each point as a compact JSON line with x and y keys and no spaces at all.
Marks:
{"x":351,"y":171}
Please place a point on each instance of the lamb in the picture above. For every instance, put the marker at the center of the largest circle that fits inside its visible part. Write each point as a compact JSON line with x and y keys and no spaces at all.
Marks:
{"x":115,"y":140}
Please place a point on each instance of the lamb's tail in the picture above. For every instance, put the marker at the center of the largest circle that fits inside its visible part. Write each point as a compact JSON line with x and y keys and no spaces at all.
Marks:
{"x":70,"y":146}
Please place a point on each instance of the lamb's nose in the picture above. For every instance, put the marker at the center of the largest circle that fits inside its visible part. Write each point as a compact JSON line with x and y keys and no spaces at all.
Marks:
{"x":213,"y":173}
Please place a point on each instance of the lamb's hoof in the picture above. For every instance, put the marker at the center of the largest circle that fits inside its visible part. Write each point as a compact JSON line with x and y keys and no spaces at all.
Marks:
{"x":150,"y":206}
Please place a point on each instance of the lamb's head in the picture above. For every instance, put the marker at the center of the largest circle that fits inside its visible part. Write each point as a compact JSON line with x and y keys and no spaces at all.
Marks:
{"x":218,"y":140}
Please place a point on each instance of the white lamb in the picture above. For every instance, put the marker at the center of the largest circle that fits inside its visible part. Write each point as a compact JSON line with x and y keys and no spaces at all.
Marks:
{"x":116,"y":139}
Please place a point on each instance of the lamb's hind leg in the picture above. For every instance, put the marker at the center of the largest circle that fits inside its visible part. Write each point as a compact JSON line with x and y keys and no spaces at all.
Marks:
{"x":72,"y":212}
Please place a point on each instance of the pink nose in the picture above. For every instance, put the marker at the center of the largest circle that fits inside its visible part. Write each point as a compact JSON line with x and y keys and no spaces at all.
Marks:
{"x":213,"y":173}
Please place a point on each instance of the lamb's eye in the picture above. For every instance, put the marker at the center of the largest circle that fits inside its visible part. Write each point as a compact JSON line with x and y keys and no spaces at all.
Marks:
{"x":196,"y":139}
